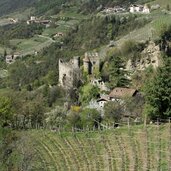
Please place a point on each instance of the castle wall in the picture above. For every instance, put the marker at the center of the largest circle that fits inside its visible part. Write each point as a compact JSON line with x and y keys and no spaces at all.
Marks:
{"x":87,"y":67}
{"x":76,"y":62}
{"x":91,"y":62}
{"x":65,"y":74}
{"x":69,"y":73}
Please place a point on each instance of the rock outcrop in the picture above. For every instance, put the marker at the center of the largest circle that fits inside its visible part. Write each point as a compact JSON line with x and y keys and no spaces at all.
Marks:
{"x":149,"y":56}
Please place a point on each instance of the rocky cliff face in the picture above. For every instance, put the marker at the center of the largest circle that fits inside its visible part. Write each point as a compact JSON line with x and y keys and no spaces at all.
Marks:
{"x":149,"y":56}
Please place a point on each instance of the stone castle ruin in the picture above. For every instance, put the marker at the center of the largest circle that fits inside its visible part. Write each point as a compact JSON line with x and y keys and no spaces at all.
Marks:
{"x":70,"y":72}
{"x":91,"y":62}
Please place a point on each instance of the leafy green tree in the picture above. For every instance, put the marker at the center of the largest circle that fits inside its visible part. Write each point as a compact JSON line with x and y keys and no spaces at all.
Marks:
{"x":74,"y":120}
{"x":113,"y":111}
{"x":134,"y":106}
{"x":87,"y":93}
{"x":51,"y":78}
{"x":165,"y":39}
{"x":37,"y":111}
{"x":5,"y":111}
{"x":168,"y":7}
{"x":56,"y":117}
{"x":117,"y":75}
{"x":158,"y":93}
{"x":90,"y":118}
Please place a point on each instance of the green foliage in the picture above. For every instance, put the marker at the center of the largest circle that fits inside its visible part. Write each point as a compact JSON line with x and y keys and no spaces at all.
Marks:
{"x":56,"y":117}
{"x":165,"y":32}
{"x":9,"y":154}
{"x":88,"y":92}
{"x":134,"y":106}
{"x":158,"y":93}
{"x":90,"y":118}
{"x":131,"y":49}
{"x":103,"y":29}
{"x":165,"y":39}
{"x":113,"y":112}
{"x":5,"y":111}
{"x":168,"y":7}
{"x":140,"y":77}
{"x":9,"y":6}
{"x":74,"y":120}
{"x":117,"y":75}
{"x":19,"y":31}
{"x":21,"y":74}
{"x":87,"y":118}
{"x":54,"y":94}
{"x":54,"y":6}
{"x":51,"y":78}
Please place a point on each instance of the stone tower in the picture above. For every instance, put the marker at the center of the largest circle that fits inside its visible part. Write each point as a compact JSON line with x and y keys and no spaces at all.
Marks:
{"x":76,"y":62}
{"x":69,"y":73}
{"x":91,"y":62}
{"x":86,"y":64}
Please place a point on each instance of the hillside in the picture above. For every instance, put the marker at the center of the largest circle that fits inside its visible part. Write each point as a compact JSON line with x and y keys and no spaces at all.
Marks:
{"x":9,"y":6}
{"x":85,"y":85}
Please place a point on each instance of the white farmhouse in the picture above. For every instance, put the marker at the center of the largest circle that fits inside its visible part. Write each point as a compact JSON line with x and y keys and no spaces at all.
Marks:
{"x":33,"y":18}
{"x":136,"y":8}
{"x":146,"y":9}
{"x":139,"y":9}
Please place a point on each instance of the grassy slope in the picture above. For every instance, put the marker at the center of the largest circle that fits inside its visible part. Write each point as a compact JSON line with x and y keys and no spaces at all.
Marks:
{"x":119,"y":149}
{"x":9,"y":6}
{"x":28,"y":46}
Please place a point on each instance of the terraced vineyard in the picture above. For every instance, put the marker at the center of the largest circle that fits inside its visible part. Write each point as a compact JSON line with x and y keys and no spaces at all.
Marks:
{"x":121,"y":149}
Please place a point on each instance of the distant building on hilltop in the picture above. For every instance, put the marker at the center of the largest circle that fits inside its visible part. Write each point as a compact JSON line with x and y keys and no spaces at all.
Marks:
{"x":116,"y":9}
{"x":33,"y":19}
{"x":11,"y":58}
{"x":146,"y":9}
{"x":58,"y":34}
{"x":139,"y":9}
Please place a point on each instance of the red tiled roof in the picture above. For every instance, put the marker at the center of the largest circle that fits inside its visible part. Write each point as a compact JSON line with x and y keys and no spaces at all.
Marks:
{"x":120,"y":92}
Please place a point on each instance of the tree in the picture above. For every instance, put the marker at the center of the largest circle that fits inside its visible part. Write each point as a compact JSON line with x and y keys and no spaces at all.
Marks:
{"x":113,"y":111}
{"x":74,"y":120}
{"x":165,"y":38}
{"x":37,"y":111}
{"x":87,"y":93}
{"x":158,"y":93}
{"x":168,"y":7}
{"x":90,"y":118}
{"x":51,"y":78}
{"x":117,"y":75}
{"x":134,"y":106}
{"x":56,"y":117}
{"x":5,"y":111}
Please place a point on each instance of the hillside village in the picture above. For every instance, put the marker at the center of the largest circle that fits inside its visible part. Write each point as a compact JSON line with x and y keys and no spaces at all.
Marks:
{"x":85,"y":85}
{"x":132,"y":9}
{"x":72,"y":74}
{"x":46,"y":22}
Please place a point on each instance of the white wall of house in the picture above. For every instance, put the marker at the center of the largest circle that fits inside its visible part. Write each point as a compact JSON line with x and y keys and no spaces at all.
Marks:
{"x":146,"y":10}
{"x":132,"y":9}
{"x":102,"y":104}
